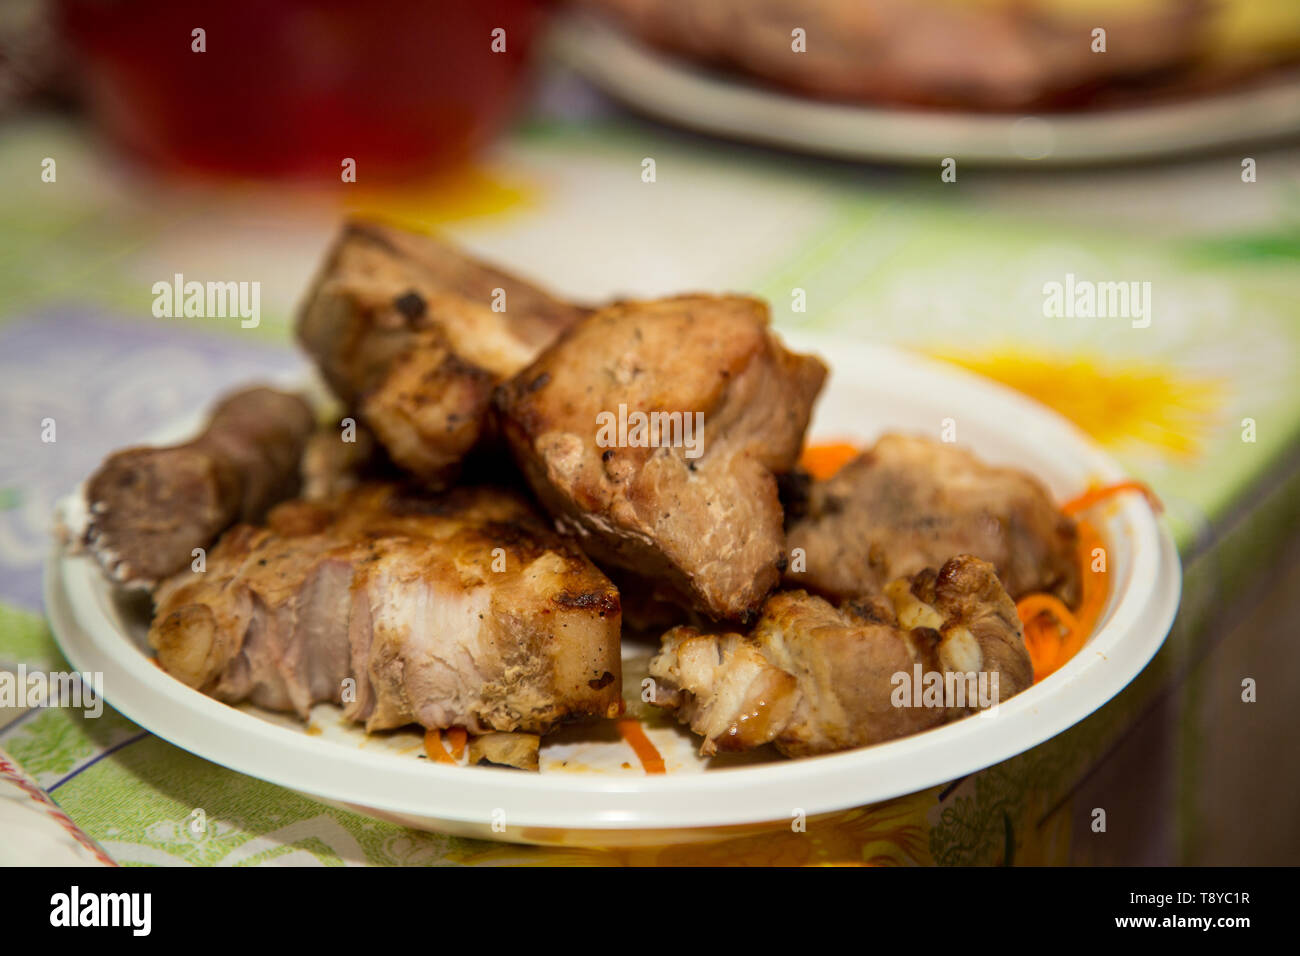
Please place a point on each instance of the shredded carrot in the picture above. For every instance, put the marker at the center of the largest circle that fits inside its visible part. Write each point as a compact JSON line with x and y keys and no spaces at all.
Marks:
{"x":1098,"y":493}
{"x":434,"y":748}
{"x":1094,"y":577}
{"x":457,"y":736}
{"x":1048,"y":624}
{"x":1044,"y":648}
{"x":634,"y":734}
{"x":1054,"y":633}
{"x":823,"y":460}
{"x":1032,"y":605}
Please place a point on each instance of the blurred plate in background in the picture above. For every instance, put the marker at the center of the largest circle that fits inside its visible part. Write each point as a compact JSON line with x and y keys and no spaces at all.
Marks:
{"x":677,"y":92}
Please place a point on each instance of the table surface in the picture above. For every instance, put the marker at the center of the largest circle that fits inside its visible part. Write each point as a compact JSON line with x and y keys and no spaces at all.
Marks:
{"x":954,"y":270}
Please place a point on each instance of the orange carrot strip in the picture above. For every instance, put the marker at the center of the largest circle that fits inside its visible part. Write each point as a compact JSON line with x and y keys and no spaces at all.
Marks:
{"x":457,"y":736}
{"x":1032,"y":605}
{"x":824,"y":460}
{"x":433,"y":747}
{"x":632,"y":732}
{"x":1044,"y":649}
{"x":1099,"y":493}
{"x":1054,"y":633}
{"x":1044,"y":641}
{"x":1095,"y":583}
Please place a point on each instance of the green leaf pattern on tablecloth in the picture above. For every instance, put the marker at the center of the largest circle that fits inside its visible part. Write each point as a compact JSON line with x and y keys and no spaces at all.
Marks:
{"x":57,"y":740}
{"x":49,"y":745}
{"x":143,"y":803}
{"x":25,"y":638}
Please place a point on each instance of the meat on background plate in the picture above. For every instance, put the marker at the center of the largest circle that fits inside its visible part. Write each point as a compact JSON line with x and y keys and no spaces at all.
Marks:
{"x":966,"y":54}
{"x":455,"y":610}
{"x":910,"y":503}
{"x":812,"y":678}
{"x":699,"y":513}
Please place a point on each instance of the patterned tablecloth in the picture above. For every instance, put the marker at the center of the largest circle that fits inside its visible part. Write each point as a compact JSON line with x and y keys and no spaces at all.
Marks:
{"x":1204,"y":404}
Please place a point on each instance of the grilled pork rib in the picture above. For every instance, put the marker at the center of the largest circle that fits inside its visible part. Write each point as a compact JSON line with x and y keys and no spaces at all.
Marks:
{"x":149,"y":508}
{"x":812,"y":678}
{"x":909,"y":503}
{"x":404,"y":331}
{"x":703,"y":522}
{"x":463,"y":609}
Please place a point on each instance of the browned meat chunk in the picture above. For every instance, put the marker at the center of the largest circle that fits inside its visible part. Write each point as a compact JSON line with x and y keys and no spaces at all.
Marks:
{"x":652,"y":431}
{"x":456,"y":610}
{"x":339,"y":457}
{"x":505,"y":750}
{"x":909,"y":503}
{"x":149,"y":508}
{"x":811,"y":678}
{"x":403,"y":329}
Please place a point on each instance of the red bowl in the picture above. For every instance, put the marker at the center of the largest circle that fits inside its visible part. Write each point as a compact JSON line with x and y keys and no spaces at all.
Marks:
{"x":294,"y":87}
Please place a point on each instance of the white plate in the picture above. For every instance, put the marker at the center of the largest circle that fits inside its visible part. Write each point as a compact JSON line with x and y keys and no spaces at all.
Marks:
{"x":722,"y":104}
{"x":601,"y":796}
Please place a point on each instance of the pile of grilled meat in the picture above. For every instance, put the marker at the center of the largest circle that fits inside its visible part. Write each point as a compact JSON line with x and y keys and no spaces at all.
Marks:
{"x":461,"y":547}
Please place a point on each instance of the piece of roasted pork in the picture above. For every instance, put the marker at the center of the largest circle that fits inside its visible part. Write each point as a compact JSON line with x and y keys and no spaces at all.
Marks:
{"x":812,"y":678}
{"x":340,"y":456}
{"x":413,"y":334}
{"x":910,"y":503}
{"x":148,"y":508}
{"x":462,"y":609}
{"x":652,"y":431}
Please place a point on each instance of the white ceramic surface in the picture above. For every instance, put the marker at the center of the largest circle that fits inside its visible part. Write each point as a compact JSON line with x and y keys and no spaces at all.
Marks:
{"x":591,"y":789}
{"x":722,"y":104}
